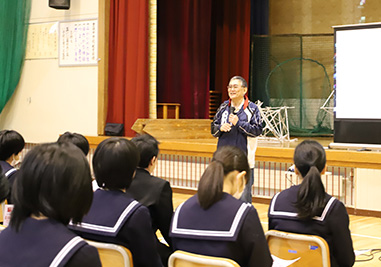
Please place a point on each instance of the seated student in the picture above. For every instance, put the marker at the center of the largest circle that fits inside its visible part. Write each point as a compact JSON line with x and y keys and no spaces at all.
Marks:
{"x":308,"y":209}
{"x":54,"y":187}
{"x":81,"y":142}
{"x":11,"y":144}
{"x":114,"y":216}
{"x":214,"y":222}
{"x":4,"y":186}
{"x":153,"y":192}
{"x":77,"y":139}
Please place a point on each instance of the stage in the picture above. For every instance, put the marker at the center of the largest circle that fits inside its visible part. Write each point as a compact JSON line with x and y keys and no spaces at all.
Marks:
{"x":268,"y":150}
{"x":186,"y":147}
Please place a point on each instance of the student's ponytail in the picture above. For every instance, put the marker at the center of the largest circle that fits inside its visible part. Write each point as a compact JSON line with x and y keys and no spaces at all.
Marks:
{"x":211,"y":185}
{"x":310,"y":160}
{"x":225,"y":160}
{"x":311,"y":195}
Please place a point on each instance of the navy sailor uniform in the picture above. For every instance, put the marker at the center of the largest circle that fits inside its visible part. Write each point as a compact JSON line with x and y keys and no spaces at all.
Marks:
{"x":11,"y":173}
{"x":332,"y":224}
{"x":156,"y":194}
{"x":115,"y":217}
{"x":230,"y":228}
{"x":45,"y":242}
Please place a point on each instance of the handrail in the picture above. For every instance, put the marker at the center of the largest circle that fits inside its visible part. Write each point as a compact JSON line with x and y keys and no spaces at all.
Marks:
{"x":206,"y":148}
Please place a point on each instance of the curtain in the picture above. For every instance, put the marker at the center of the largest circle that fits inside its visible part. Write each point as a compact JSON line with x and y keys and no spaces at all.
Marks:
{"x":128,"y":86}
{"x":231,"y":42}
{"x":14,"y":21}
{"x":184,"y":29}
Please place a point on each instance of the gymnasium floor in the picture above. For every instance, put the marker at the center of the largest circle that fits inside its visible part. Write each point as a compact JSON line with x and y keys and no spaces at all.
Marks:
{"x":366,"y":231}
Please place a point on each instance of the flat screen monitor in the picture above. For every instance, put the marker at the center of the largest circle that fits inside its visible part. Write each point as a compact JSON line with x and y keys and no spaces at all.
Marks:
{"x":357,"y":84}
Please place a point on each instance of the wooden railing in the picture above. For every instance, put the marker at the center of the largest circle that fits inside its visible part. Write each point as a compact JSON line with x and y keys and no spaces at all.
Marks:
{"x":182,"y":163}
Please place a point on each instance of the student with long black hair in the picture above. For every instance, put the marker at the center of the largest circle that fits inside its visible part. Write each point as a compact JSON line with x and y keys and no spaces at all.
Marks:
{"x":53,"y":188}
{"x":215,"y":222}
{"x":307,"y":209}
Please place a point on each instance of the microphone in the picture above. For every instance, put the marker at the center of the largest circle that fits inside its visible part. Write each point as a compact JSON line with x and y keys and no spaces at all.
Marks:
{"x":231,"y":110}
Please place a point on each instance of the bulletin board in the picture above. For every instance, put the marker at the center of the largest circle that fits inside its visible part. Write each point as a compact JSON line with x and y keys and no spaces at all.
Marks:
{"x":42,"y":41}
{"x":78,"y":43}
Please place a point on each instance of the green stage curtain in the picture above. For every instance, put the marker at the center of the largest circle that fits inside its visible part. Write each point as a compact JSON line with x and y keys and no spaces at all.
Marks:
{"x":14,"y":21}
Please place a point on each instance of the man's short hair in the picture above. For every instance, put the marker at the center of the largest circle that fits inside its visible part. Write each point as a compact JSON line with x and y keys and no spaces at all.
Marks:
{"x":148,"y":148}
{"x":243,"y":81}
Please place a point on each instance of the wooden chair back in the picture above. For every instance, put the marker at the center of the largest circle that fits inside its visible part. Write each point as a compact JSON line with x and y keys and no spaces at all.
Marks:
{"x":310,"y":250}
{"x":185,"y":259}
{"x":2,"y":212}
{"x":113,"y":255}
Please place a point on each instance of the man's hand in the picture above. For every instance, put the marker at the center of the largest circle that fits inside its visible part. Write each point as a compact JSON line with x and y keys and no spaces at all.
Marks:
{"x":233,"y":119}
{"x":226,"y":127}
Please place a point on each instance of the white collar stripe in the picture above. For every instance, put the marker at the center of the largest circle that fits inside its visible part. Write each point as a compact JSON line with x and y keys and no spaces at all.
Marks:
{"x":176,"y":217}
{"x":110,"y":229}
{"x":65,"y":250}
{"x":273,"y":203}
{"x":293,"y":214}
{"x":230,"y":233}
{"x":325,"y":211}
{"x":9,"y":172}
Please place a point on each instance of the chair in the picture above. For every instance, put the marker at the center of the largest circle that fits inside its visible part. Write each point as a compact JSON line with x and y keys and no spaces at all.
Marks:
{"x":112,"y":255}
{"x":185,"y":259}
{"x":310,"y":250}
{"x":2,"y":207}
{"x":1,"y":212}
{"x":168,"y":110}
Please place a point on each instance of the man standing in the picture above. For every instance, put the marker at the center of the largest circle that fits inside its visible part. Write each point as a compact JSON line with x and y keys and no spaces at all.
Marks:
{"x":238,"y":123}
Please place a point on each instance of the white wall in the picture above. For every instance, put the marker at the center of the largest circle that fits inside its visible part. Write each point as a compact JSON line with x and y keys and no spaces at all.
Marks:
{"x":368,"y":188}
{"x":49,"y":99}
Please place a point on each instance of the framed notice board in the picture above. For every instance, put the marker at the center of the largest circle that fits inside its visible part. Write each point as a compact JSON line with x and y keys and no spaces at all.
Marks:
{"x":78,"y":43}
{"x":42,"y":42}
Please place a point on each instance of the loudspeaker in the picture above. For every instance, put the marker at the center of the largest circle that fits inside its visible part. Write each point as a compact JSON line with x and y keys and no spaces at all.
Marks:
{"x":114,"y":129}
{"x":59,"y":4}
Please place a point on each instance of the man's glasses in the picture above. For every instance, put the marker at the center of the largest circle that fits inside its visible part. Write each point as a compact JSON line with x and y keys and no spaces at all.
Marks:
{"x":235,"y":86}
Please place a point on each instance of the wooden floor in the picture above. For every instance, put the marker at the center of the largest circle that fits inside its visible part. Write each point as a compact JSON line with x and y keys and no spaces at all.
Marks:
{"x":366,"y":231}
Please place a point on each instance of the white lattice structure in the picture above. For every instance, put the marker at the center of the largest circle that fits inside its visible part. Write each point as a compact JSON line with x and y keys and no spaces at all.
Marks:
{"x":326,"y":107}
{"x":276,"y":122}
